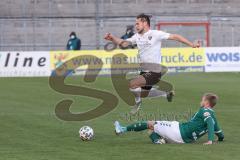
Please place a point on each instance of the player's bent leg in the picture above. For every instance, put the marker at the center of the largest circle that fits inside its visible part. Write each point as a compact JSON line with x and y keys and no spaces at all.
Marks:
{"x":155,"y":137}
{"x":139,"y":81}
{"x":169,"y":130}
{"x":167,"y":88}
{"x":154,"y":92}
{"x":138,"y":86}
{"x":163,"y":90}
{"x":135,"y":88}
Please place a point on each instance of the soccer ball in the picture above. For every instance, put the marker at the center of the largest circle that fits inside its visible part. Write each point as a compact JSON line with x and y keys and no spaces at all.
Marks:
{"x":86,"y":133}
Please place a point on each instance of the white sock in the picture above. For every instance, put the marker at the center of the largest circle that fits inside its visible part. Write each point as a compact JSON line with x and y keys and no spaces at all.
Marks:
{"x":137,"y":99}
{"x":157,"y":93}
{"x":137,"y":94}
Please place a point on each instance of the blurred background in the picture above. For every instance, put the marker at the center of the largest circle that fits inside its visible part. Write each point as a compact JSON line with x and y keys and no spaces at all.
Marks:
{"x":43,"y":25}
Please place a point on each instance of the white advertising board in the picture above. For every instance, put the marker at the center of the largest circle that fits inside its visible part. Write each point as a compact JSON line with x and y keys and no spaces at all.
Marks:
{"x":222,"y":59}
{"x":24,"y":64}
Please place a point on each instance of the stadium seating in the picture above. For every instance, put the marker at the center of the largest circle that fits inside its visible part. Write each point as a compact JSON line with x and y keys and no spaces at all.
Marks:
{"x":46,"y":24}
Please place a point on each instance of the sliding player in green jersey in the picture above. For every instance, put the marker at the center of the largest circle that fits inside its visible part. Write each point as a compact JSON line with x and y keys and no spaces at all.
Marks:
{"x":204,"y":121}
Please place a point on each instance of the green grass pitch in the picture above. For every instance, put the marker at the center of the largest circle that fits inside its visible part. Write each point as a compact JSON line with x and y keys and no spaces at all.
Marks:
{"x":29,"y":129}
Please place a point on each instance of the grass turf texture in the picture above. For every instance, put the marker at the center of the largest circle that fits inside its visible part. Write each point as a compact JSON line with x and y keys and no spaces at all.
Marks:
{"x":30,"y":130}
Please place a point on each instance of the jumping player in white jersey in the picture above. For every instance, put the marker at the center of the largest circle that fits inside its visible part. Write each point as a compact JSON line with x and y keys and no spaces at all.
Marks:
{"x":149,"y":52}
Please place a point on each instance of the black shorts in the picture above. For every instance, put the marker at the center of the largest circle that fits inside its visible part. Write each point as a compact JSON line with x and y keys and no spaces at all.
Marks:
{"x":151,"y":79}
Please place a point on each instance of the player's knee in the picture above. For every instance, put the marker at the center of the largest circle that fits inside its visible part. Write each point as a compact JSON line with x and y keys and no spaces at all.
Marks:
{"x":151,"y":125}
{"x":132,"y":85}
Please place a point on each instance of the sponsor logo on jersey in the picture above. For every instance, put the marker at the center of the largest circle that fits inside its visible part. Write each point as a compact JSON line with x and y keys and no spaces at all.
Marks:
{"x":206,"y":114}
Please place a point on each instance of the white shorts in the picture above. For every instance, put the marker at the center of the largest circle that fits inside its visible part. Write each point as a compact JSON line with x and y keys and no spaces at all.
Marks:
{"x":169,"y":130}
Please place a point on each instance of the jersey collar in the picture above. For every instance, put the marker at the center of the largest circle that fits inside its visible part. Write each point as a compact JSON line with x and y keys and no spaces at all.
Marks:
{"x":146,"y":33}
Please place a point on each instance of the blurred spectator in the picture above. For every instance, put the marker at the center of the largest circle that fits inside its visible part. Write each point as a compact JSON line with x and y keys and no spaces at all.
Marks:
{"x":74,"y":43}
{"x":129,"y":32}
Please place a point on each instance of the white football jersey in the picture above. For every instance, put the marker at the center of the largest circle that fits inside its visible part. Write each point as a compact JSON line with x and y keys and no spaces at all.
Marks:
{"x":149,"y":45}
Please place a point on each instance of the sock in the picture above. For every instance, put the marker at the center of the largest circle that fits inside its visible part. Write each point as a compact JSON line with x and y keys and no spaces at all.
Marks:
{"x":137,"y":99}
{"x":154,"y":137}
{"x":139,"y":126}
{"x":157,"y":93}
{"x":124,"y":129}
{"x":137,"y":94}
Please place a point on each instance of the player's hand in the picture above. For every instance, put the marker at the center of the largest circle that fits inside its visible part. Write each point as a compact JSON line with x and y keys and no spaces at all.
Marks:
{"x":208,"y":143}
{"x":196,"y":45}
{"x":108,"y":37}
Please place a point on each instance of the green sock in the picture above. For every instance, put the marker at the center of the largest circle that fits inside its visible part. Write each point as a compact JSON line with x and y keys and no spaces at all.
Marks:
{"x":154,"y":137}
{"x":139,"y":126}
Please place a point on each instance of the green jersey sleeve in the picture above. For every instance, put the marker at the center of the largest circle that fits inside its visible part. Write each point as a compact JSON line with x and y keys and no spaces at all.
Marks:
{"x":210,"y":127}
{"x":209,"y":121}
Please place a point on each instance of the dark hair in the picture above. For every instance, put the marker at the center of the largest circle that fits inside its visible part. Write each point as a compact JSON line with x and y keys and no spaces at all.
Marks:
{"x":72,"y":34}
{"x":211,"y":98}
{"x":144,"y":17}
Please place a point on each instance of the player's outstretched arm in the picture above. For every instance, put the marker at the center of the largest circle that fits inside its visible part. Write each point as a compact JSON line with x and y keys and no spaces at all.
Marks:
{"x":116,"y":40}
{"x":181,"y":39}
{"x":210,"y":127}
